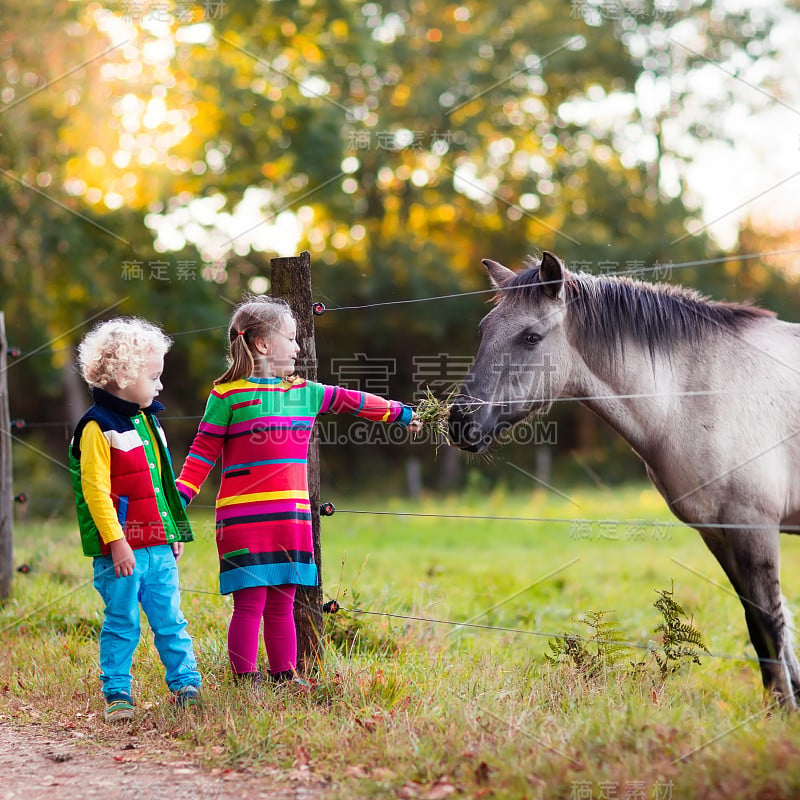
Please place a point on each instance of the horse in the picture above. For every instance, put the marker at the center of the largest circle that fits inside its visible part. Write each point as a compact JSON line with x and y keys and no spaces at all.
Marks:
{"x":705,"y":392}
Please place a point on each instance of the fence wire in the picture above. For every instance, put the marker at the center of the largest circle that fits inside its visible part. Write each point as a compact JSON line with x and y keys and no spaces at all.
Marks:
{"x":541,"y":520}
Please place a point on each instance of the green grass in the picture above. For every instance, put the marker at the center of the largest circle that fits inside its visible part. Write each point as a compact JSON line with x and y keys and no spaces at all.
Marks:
{"x":415,"y":705}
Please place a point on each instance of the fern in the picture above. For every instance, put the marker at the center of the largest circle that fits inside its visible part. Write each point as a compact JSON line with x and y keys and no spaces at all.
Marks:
{"x":591,"y":655}
{"x":681,"y":642}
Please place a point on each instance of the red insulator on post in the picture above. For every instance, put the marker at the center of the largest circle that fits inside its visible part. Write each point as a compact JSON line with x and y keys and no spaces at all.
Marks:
{"x":327,"y":509}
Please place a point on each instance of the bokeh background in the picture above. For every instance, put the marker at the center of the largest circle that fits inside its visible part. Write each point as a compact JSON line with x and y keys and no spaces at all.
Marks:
{"x":155,"y":155}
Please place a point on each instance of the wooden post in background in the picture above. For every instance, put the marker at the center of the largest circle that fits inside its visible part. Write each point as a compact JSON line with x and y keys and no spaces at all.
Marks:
{"x":6,"y":487}
{"x":291,"y":280}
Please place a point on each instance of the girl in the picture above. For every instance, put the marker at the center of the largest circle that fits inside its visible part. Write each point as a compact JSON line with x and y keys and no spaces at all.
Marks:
{"x":259,"y":416}
{"x":130,"y":515}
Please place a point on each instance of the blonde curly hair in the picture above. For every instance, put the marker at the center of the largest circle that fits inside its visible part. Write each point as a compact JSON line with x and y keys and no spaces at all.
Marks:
{"x":117,"y":350}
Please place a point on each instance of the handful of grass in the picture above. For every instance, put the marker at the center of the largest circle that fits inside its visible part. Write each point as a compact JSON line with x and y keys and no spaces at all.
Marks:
{"x":434,"y":415}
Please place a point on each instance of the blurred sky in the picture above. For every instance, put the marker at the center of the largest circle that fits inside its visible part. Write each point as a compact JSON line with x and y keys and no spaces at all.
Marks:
{"x":757,"y":174}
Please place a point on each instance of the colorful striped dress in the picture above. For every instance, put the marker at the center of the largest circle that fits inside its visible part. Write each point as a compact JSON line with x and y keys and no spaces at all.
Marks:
{"x":262,"y":428}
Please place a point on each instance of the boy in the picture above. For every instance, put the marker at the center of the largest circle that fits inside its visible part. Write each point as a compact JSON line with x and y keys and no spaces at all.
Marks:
{"x":130,"y":515}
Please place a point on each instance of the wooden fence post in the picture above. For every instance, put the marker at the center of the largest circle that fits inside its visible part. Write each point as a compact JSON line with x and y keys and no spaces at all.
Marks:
{"x":6,"y":487}
{"x":291,"y":280}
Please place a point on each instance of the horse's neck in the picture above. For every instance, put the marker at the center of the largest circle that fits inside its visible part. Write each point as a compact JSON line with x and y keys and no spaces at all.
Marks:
{"x":630,"y":395}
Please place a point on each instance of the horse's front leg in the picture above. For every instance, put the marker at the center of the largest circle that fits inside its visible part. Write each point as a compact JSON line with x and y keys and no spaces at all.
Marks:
{"x":751,"y":560}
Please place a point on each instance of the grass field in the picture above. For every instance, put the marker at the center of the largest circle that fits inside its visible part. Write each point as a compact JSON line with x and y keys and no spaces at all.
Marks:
{"x":408,"y":703}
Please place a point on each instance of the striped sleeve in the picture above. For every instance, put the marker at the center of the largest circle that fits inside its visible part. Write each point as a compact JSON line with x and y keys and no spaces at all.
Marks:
{"x":366,"y":405}
{"x":206,"y":447}
{"x":96,"y":482}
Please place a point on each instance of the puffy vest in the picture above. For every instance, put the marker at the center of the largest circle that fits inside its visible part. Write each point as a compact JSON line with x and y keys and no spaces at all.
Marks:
{"x":148,"y":517}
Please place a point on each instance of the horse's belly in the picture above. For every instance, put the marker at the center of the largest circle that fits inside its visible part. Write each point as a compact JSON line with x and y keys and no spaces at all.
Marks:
{"x":725,"y":489}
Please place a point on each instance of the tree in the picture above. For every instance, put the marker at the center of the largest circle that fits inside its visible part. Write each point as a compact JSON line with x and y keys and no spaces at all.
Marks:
{"x":405,"y":142}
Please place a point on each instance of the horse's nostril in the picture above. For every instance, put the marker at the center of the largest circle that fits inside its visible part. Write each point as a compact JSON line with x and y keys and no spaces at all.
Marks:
{"x":463,"y":432}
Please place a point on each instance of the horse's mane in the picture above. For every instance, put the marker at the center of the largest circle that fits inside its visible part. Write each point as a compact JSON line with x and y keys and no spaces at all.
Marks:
{"x":609,"y":309}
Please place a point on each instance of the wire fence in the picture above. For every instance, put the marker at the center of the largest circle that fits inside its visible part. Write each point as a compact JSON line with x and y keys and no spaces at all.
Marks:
{"x":454,"y":625}
{"x":463,"y":625}
{"x":638,"y":272}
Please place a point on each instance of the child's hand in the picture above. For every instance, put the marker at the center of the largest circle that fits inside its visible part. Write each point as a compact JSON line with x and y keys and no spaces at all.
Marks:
{"x":177,"y":550}
{"x":415,"y":426}
{"x":124,"y":559}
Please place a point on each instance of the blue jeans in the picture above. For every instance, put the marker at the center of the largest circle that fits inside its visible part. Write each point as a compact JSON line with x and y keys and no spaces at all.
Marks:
{"x":155,"y":585}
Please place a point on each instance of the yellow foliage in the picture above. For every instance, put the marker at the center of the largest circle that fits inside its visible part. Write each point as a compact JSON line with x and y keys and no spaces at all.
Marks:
{"x":418,"y":218}
{"x":391,"y":204}
{"x":443,"y":213}
{"x":312,"y":53}
{"x":401,"y":95}
{"x":340,"y":29}
{"x":759,"y":274}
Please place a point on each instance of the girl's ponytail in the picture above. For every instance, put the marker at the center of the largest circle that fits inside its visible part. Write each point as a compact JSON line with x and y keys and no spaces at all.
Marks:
{"x":242,"y":365}
{"x":254,"y":318}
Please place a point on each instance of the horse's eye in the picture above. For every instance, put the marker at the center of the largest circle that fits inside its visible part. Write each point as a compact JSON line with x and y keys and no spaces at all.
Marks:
{"x":532,"y":339}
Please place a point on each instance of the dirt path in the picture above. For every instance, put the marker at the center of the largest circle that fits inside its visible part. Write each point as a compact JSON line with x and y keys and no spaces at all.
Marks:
{"x":63,"y":765}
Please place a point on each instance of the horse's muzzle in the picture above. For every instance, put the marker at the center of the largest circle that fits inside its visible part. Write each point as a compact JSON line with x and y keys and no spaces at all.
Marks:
{"x":465,"y":433}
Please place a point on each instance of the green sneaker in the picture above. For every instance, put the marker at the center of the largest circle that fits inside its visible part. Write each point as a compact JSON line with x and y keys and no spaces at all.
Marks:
{"x":119,"y":708}
{"x":187,"y":696}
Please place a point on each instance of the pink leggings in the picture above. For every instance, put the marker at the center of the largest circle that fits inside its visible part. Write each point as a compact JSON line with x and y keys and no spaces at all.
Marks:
{"x":275,"y":605}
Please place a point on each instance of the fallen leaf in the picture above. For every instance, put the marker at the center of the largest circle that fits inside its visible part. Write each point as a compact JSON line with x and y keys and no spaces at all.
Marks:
{"x":441,"y":788}
{"x":482,"y":773}
{"x":655,"y":696}
{"x":301,"y":757}
{"x":536,"y":781}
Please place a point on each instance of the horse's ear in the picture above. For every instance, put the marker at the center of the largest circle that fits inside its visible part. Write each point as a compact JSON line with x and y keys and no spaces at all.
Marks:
{"x":498,"y":274}
{"x":551,"y":275}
